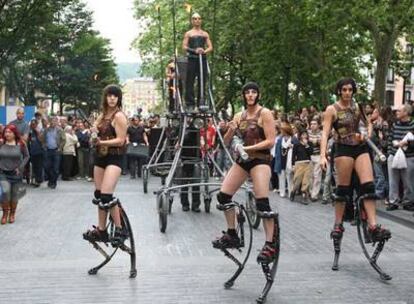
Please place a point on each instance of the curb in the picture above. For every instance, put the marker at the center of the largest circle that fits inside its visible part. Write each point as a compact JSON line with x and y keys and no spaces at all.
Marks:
{"x":398,"y":219}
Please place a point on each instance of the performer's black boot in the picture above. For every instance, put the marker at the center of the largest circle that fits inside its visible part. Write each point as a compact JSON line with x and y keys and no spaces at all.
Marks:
{"x":337,"y":231}
{"x":228,"y":240}
{"x":267,"y":254}
{"x":96,"y":235}
{"x":378,"y":234}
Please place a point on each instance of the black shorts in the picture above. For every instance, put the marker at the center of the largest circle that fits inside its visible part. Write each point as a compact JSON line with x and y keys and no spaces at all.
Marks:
{"x":103,"y":162}
{"x":250,"y":164}
{"x":350,"y":151}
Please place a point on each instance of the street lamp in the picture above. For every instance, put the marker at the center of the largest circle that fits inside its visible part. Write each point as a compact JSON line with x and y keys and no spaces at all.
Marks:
{"x":406,"y":73}
{"x":158,"y":8}
{"x":27,"y":88}
{"x":61,"y":61}
{"x":287,"y":80}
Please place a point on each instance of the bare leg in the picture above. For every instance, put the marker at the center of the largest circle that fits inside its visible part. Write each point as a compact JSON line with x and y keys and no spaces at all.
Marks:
{"x":98,"y":174}
{"x":343,"y":166}
{"x":109,"y":181}
{"x":231,"y":183}
{"x":261,"y":176}
{"x":363,"y":168}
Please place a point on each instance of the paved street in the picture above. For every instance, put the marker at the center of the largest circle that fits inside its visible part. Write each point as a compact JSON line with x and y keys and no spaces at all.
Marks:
{"x":43,"y":258}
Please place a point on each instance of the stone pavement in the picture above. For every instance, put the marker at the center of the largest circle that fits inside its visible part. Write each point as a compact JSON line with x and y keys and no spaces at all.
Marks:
{"x":400,"y":216}
{"x":43,"y":258}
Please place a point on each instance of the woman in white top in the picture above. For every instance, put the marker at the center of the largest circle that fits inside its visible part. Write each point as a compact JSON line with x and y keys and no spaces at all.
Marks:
{"x":69,"y":153}
{"x":283,"y":159}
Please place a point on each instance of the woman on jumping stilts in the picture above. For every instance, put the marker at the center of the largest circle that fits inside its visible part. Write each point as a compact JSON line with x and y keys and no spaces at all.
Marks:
{"x":111,"y":129}
{"x":351,"y":153}
{"x":256,"y":126}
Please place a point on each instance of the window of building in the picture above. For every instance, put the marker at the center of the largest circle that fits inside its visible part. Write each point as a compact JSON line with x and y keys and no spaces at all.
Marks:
{"x":407,"y":96}
{"x":389,"y":98}
{"x":410,"y":76}
{"x":390,"y":75}
{"x":409,"y":49}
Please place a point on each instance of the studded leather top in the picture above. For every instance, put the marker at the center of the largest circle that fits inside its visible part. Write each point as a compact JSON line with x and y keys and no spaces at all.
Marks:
{"x":106,"y":131}
{"x":251,"y":132}
{"x":346,"y":124}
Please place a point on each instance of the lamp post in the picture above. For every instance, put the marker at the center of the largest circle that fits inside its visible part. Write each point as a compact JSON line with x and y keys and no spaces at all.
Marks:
{"x":287,"y":80}
{"x":406,"y":73}
{"x":214,"y":40}
{"x":27,"y":89}
{"x":158,"y":8}
{"x":61,"y":61}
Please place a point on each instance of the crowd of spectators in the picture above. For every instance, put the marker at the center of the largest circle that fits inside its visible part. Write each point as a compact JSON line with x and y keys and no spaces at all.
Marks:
{"x":62,"y":146}
{"x":296,"y":155}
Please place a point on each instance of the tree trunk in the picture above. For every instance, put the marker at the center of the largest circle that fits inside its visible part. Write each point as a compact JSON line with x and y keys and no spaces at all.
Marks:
{"x":380,"y":80}
{"x":384,"y":47}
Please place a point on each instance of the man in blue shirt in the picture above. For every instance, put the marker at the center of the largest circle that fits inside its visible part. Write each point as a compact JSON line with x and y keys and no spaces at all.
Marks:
{"x":54,"y":140}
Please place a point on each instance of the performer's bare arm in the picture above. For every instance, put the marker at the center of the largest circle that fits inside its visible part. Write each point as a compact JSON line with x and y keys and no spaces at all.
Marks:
{"x":185,"y":41}
{"x":209,"y":48}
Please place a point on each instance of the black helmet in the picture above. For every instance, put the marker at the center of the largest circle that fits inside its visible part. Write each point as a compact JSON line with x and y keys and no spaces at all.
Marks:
{"x":251,"y":86}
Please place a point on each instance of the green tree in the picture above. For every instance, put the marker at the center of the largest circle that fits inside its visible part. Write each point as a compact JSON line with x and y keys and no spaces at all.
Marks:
{"x":67,"y":60}
{"x":385,"y":21}
{"x":318,"y":41}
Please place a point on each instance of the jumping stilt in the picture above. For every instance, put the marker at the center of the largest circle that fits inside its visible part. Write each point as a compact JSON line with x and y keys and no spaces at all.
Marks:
{"x":270,"y":271}
{"x":336,"y":236}
{"x":241,"y":220}
{"x":363,"y":237}
{"x":127,"y":246}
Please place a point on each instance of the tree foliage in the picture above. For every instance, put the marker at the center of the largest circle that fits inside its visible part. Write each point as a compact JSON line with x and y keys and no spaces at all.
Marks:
{"x":385,"y":22}
{"x":312,"y":42}
{"x":58,"y":53}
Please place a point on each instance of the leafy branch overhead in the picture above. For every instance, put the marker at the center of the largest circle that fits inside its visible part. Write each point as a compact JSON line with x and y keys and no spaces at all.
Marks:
{"x":317,"y":41}
{"x":49,"y":46}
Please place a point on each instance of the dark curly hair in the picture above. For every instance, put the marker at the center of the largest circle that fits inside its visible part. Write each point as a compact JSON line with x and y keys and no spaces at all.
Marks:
{"x":344,"y":82}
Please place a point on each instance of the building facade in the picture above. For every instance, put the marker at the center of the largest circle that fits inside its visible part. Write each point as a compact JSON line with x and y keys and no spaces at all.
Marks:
{"x":140,"y":93}
{"x":399,"y":87}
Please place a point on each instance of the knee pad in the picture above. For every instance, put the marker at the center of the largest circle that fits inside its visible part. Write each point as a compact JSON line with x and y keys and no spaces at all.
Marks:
{"x":224,"y":201}
{"x":264,"y":210}
{"x":107,"y":201}
{"x":262,"y":204}
{"x":367,"y":190}
{"x":97,"y":194}
{"x":343,"y":194}
{"x":224,"y":198}
{"x":97,"y":197}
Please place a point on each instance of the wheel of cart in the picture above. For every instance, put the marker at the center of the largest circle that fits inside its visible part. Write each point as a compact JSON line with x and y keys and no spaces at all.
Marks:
{"x":251,"y":208}
{"x":158,"y":170}
{"x":145,"y":179}
{"x":163,"y":205}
